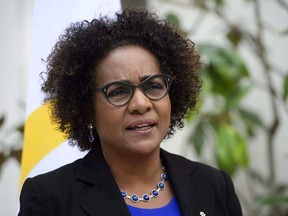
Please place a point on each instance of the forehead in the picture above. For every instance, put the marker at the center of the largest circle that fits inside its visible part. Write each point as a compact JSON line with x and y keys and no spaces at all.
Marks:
{"x":126,"y":63}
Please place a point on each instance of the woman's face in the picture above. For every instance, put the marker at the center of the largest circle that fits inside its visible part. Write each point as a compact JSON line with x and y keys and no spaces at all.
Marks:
{"x":139,"y":126}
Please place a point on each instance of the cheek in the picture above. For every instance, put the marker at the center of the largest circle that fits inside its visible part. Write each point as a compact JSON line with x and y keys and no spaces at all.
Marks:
{"x":168,"y":104}
{"x":165,"y":110}
{"x":106,"y":118}
{"x":101,"y":117}
{"x":97,"y":111}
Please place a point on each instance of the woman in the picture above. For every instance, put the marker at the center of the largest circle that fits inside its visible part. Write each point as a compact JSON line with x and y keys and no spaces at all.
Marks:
{"x":118,"y":88}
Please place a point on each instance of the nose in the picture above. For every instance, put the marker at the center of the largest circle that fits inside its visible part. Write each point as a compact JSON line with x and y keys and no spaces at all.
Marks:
{"x":139,"y":103}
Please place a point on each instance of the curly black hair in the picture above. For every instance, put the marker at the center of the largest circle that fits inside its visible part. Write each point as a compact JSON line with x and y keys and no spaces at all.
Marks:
{"x":72,"y":62}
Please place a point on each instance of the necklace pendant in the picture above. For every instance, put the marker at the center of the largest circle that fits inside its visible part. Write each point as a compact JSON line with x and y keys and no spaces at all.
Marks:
{"x":135,"y":198}
{"x":146,"y":198}
{"x":154,"y":192}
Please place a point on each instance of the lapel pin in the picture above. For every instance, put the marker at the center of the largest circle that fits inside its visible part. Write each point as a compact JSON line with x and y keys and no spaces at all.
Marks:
{"x":202,"y":214}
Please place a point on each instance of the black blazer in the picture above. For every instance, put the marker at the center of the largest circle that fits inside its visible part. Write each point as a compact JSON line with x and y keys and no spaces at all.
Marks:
{"x":87,"y":187}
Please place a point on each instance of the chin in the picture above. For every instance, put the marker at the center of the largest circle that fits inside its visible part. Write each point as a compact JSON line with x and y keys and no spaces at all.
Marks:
{"x":145,"y":149}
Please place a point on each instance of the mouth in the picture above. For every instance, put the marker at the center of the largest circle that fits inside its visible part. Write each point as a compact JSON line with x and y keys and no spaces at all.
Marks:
{"x":141,"y":125}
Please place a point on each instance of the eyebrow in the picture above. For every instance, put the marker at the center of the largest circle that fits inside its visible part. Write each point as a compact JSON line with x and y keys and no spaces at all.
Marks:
{"x":142,"y":78}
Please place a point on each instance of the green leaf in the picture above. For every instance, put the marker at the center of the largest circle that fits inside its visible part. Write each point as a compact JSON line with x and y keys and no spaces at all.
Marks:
{"x":251,"y":121}
{"x":281,"y":188}
{"x":197,"y":138}
{"x":285,"y":88}
{"x":2,"y":120}
{"x":170,"y":17}
{"x":223,"y":67}
{"x":217,"y":2}
{"x":235,"y":36}
{"x":240,"y":153}
{"x":250,"y":117}
{"x":2,"y":159}
{"x":201,"y":4}
{"x":236,"y":95}
{"x":223,"y":149}
{"x":17,"y":154}
{"x":254,"y":174}
{"x":20,"y":128}
{"x":271,"y":200}
{"x":223,"y":57}
{"x":231,"y":150}
{"x":284,"y":32}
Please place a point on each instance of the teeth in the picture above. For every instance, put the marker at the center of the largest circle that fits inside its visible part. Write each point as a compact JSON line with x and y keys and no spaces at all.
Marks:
{"x":142,"y":126}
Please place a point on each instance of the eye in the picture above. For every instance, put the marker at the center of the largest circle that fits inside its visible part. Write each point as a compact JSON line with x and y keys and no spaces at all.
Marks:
{"x":154,"y":85}
{"x":118,"y":91}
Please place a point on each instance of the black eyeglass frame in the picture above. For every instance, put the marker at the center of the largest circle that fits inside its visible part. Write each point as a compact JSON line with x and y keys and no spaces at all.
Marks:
{"x":169,"y":79}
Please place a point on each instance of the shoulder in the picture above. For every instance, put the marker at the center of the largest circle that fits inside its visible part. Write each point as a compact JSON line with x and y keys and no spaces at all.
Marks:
{"x":204,"y":174}
{"x":203,"y":177}
{"x":52,"y":182}
{"x":62,"y":173}
{"x":40,"y":194}
{"x":191,"y":166}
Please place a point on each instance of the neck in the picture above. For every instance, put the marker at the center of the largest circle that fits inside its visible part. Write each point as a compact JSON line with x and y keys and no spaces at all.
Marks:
{"x":139,"y":174}
{"x":135,"y":172}
{"x":135,"y":165}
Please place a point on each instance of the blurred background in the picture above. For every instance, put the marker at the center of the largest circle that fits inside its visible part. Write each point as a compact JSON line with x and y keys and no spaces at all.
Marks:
{"x":241,"y":124}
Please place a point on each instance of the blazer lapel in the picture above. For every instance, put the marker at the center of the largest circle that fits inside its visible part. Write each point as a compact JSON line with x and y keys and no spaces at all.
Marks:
{"x":103,"y":196}
{"x":193,"y":196}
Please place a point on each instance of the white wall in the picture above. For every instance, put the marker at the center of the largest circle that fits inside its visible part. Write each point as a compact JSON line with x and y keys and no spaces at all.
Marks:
{"x":15,"y":31}
{"x":212,"y":30}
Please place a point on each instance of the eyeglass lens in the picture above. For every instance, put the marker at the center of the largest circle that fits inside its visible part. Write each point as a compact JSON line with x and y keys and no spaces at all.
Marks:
{"x":154,"y":88}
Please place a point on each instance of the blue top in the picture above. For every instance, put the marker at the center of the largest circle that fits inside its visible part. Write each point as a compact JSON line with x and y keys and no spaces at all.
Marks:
{"x":171,"y":209}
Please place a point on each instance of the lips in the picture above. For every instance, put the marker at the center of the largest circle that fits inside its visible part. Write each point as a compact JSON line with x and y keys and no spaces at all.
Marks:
{"x":141,"y":125}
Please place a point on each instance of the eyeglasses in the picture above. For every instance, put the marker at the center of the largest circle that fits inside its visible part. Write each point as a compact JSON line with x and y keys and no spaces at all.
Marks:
{"x":119,"y":93}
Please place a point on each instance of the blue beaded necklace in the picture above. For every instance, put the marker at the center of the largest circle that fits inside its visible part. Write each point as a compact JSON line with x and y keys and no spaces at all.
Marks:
{"x":154,"y":192}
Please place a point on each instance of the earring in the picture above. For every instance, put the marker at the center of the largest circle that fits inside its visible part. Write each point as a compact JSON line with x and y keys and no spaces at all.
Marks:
{"x":90,"y":137}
